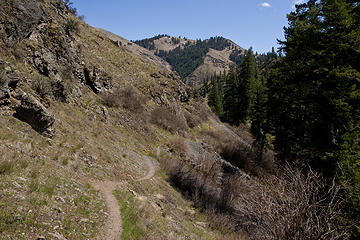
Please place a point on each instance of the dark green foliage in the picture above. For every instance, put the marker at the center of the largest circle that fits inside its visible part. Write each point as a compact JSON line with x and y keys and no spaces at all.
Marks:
{"x":314,"y":95}
{"x":247,"y":76}
{"x":215,"y":97}
{"x":231,"y":99}
{"x":237,"y":57}
{"x":185,"y":59}
{"x":72,"y":26}
{"x":70,"y":7}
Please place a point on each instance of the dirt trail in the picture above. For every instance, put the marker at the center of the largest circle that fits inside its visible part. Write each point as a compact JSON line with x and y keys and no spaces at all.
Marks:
{"x":151,"y":169}
{"x":113,"y":225}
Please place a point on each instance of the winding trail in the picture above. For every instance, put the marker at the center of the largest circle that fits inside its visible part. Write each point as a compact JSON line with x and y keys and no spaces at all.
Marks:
{"x":113,"y":225}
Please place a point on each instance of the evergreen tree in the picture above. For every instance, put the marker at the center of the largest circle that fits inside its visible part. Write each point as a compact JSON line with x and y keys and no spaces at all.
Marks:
{"x":247,"y":75}
{"x":231,"y":98}
{"x":215,"y":98}
{"x":314,"y":95}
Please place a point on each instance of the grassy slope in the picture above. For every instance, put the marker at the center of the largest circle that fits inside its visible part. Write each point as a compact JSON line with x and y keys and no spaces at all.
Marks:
{"x":44,"y":186}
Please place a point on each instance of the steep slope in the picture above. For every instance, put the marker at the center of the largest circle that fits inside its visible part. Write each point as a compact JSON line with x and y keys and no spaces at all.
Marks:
{"x":195,"y":60}
{"x":75,"y":109}
{"x":135,"y":49}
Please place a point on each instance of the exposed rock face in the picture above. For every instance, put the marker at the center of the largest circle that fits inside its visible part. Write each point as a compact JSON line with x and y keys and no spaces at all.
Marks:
{"x":98,"y":80}
{"x":34,"y":113}
{"x":20,"y":18}
{"x":8,"y":82}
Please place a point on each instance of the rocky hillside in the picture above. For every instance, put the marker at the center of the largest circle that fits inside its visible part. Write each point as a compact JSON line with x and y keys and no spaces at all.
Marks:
{"x":202,"y":58}
{"x":85,"y":118}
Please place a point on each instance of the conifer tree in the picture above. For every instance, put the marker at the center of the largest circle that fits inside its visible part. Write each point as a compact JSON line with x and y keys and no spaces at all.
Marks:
{"x":231,"y":99}
{"x":247,"y":75}
{"x":215,"y":98}
{"x":314,"y":94}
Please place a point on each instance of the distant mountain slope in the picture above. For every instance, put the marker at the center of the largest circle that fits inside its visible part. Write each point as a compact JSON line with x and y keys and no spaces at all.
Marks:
{"x":195,"y":60}
{"x":135,"y":49}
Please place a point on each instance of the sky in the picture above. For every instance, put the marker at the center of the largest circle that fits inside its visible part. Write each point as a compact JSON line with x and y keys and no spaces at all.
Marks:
{"x":249,"y":23}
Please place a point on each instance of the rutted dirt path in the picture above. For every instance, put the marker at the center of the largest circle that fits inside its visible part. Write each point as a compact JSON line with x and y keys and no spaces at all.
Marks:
{"x":113,"y":225}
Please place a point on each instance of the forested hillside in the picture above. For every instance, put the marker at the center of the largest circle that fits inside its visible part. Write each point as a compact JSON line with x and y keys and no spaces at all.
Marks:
{"x":305,"y":104}
{"x":188,"y":55}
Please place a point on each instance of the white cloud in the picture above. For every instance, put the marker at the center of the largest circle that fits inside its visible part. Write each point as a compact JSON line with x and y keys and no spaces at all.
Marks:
{"x":297,"y":2}
{"x":265,"y":4}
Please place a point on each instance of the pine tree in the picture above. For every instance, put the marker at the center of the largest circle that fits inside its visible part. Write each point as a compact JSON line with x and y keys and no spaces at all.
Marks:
{"x":231,"y":99}
{"x":247,"y":75}
{"x":314,"y":95}
{"x":215,"y":98}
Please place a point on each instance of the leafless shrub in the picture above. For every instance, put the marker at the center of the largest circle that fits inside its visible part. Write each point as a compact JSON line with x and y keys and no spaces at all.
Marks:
{"x":165,"y":118}
{"x":72,"y":26}
{"x":192,"y":120}
{"x":42,"y":87}
{"x":202,"y":111}
{"x":177,"y":145}
{"x":196,"y":114}
{"x":292,"y":206}
{"x":127,"y":98}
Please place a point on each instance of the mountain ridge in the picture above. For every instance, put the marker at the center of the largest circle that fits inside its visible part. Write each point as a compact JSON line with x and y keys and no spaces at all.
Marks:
{"x":216,"y":56}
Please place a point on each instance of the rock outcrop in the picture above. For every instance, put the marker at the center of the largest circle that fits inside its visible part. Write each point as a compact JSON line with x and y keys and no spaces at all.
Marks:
{"x":8,"y":83}
{"x":31,"y":111}
{"x":22,"y":17}
{"x":98,"y":80}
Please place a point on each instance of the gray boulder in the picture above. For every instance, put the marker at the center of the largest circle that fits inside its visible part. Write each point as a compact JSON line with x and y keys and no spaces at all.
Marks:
{"x":31,"y":111}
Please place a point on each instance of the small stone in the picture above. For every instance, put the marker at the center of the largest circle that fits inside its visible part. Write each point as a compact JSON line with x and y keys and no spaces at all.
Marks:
{"x":60,"y":199}
{"x":40,"y":238}
{"x":190,"y":212}
{"x":58,"y":236}
{"x":22,"y":179}
{"x":84,"y":220}
{"x":15,"y":184}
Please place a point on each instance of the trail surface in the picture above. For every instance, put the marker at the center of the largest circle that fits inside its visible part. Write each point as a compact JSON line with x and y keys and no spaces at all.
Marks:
{"x":113,"y":226}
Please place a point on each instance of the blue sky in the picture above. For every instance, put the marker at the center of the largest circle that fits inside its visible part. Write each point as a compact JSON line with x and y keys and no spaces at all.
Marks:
{"x":246,"y":22}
